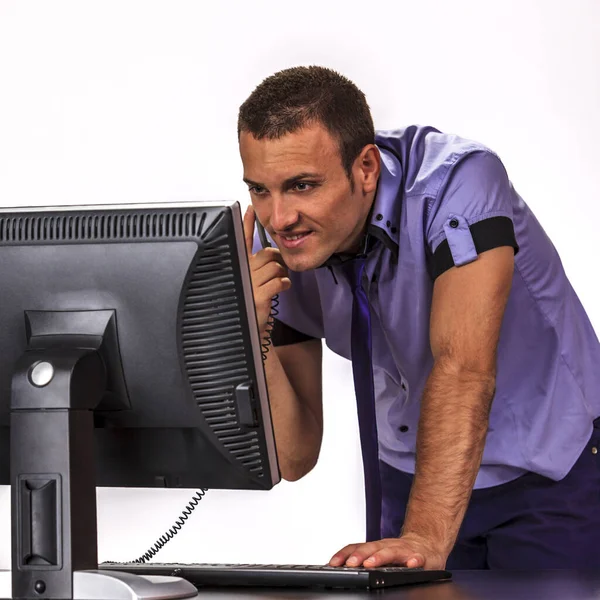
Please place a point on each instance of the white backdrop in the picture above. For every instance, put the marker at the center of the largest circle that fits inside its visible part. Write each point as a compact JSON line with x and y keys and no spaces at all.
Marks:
{"x":132,"y":101}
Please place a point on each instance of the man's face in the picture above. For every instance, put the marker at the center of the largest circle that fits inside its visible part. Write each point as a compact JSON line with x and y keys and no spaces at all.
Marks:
{"x":302,"y":195}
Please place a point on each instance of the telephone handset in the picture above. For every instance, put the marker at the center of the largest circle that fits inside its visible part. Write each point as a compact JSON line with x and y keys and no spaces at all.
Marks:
{"x":264,"y":240}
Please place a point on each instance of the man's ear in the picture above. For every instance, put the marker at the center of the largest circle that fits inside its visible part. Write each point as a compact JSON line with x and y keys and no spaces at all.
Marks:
{"x":368,"y":167}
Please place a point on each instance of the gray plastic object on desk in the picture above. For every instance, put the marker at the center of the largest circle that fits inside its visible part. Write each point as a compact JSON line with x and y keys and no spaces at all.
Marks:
{"x":100,"y":585}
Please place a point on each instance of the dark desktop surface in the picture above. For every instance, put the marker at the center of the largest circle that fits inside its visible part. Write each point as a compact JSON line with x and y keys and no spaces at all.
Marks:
{"x":465,"y":585}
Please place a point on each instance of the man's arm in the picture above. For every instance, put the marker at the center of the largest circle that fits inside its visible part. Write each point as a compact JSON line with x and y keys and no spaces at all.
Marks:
{"x":293,"y":372}
{"x":466,"y":316}
{"x":293,"y":375}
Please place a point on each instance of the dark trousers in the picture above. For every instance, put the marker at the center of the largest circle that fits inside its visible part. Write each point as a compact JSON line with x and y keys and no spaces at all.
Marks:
{"x":529,"y":523}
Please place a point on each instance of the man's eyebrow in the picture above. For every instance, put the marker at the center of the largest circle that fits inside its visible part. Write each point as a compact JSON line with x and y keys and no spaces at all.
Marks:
{"x":306,"y":175}
{"x":288,"y":182}
{"x":250,"y":182}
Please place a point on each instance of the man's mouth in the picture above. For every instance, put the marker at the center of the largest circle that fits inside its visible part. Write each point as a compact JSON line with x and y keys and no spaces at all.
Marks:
{"x":295,"y":240}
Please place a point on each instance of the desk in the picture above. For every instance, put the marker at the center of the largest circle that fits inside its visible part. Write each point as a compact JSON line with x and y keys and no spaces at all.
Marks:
{"x":466,"y":585}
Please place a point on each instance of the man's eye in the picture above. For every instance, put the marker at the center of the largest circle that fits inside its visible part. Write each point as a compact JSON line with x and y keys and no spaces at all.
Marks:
{"x":256,"y":189}
{"x":302,"y":186}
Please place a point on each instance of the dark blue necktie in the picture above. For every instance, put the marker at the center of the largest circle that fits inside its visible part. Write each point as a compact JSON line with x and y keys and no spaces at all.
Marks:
{"x":362,"y":370}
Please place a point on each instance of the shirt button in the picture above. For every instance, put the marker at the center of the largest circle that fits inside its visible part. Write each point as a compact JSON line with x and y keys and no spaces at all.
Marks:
{"x":454,"y":223}
{"x":379,"y":217}
{"x":394,"y":230}
{"x":594,"y":450}
{"x":403,"y":428}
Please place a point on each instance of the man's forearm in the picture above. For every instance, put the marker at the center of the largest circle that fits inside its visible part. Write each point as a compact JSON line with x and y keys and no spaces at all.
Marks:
{"x":450,"y":442}
{"x":297,"y":432}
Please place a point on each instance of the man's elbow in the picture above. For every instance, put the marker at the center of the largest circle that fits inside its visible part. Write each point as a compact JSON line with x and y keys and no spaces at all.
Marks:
{"x":474,"y":372}
{"x":292,"y":475}
{"x":293,"y":470}
{"x":478,"y":379}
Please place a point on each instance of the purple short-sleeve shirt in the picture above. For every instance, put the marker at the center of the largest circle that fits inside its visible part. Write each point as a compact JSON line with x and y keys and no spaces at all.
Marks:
{"x":441,"y":201}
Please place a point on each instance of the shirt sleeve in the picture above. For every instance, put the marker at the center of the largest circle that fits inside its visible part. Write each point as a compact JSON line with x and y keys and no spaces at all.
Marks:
{"x":284,"y":335}
{"x":473,"y":213}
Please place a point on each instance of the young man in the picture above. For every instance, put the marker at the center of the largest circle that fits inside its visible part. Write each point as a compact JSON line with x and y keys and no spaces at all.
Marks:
{"x":477,"y":372}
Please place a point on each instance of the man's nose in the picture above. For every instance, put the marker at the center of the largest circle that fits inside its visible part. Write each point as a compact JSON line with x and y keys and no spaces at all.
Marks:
{"x":283,"y":215}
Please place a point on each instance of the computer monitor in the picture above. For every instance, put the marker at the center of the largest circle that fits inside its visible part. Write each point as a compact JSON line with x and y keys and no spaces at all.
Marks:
{"x":129,"y":356}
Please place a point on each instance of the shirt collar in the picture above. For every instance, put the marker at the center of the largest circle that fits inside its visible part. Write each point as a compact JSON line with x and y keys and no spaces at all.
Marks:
{"x":385,"y":214}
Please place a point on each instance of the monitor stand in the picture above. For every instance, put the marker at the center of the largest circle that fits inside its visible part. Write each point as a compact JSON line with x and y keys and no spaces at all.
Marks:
{"x":57,"y":383}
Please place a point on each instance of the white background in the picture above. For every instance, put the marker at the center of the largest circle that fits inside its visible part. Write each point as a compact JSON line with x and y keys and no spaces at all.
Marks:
{"x":133,"y":101}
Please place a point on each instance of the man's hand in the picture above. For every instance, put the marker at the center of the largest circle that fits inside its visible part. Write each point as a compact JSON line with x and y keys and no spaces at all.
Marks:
{"x":407,"y":551}
{"x":269,"y":274}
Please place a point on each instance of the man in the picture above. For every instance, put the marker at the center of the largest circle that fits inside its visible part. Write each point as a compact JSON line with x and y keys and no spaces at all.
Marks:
{"x":468,"y":304}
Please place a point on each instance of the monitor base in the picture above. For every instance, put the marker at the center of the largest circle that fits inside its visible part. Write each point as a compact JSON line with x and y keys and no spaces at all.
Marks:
{"x":115,"y":585}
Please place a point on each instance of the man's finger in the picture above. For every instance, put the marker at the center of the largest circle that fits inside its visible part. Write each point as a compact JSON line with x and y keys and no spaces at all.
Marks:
{"x":249,"y":220}
{"x":276,"y":286}
{"x":362,"y":552}
{"x":339,"y":558}
{"x":271,"y":270}
{"x":267,"y":255}
{"x":395,"y":556}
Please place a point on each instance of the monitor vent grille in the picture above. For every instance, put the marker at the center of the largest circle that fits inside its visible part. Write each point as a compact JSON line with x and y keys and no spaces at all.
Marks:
{"x":104,"y":226}
{"x":213,"y":348}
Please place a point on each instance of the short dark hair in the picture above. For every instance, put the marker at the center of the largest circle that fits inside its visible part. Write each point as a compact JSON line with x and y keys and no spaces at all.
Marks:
{"x":290,"y":99}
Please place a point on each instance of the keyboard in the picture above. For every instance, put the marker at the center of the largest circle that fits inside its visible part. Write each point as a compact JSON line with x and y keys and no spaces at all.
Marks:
{"x":227,"y":575}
